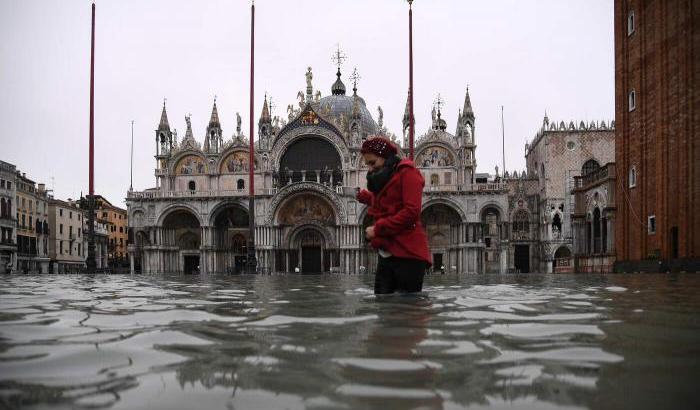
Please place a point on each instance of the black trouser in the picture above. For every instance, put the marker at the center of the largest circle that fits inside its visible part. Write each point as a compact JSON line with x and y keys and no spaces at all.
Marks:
{"x":399,"y":275}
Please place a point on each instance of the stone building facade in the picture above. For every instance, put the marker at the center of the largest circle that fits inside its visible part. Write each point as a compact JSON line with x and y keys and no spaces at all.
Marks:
{"x":307,"y":169}
{"x":8,"y":220}
{"x":558,"y":153}
{"x":32,"y":213}
{"x":115,"y":220}
{"x":657,"y":100}
{"x":66,"y":239}
{"x":594,"y":220}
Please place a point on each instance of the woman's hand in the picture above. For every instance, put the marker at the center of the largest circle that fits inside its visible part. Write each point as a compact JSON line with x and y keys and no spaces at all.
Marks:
{"x":364,"y":196}
{"x":369,"y":233}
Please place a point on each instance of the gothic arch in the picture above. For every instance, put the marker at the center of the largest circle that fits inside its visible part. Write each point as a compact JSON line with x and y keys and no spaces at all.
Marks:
{"x":284,"y":141}
{"x":235,"y":203}
{"x":450,"y":203}
{"x":494,"y":205}
{"x":306,"y":187}
{"x":178,"y":207}
{"x":292,"y":236}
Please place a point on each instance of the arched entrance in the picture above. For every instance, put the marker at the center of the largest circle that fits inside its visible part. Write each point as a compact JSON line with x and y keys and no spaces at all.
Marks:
{"x":182,"y":232}
{"x":313,"y":159}
{"x":442,"y":225}
{"x":230,"y":239}
{"x":562,"y":260}
{"x":304,"y":219}
{"x":492,"y":234}
{"x":310,"y":244}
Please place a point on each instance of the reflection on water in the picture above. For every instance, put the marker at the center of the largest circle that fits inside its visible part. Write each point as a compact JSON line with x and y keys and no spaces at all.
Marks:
{"x":326,"y":342}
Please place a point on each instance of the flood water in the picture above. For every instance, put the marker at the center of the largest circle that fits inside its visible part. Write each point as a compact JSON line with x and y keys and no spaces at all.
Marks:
{"x":326,"y":342}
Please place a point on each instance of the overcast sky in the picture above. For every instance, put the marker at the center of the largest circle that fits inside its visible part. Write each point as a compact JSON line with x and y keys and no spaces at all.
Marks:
{"x":529,"y":56}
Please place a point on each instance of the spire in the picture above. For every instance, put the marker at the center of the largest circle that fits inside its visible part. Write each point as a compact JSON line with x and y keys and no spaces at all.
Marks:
{"x":467,"y":110}
{"x":214,"y":120}
{"x":164,"y":124}
{"x":407,"y":112}
{"x":338,"y":86}
{"x":545,"y":120}
{"x":265,"y":115}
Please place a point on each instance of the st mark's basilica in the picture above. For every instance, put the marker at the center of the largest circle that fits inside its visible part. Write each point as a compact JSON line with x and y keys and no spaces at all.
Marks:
{"x":306,"y":171}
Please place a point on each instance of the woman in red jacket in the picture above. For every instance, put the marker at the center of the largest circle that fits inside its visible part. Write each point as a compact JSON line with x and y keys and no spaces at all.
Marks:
{"x":394,"y":195}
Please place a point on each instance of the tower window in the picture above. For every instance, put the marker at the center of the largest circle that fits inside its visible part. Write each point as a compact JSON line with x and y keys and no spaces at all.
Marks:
{"x":651,"y":224}
{"x":630,"y":23}
{"x":191,"y":186}
{"x":633,"y":177}
{"x":632,"y":100}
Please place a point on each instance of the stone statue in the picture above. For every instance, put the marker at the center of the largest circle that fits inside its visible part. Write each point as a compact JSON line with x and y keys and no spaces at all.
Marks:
{"x":238,"y":123}
{"x":318,"y":96}
{"x":300,"y":96}
{"x":290,"y":111}
{"x":309,"y":76}
{"x":187,"y":120}
{"x":381,"y":116}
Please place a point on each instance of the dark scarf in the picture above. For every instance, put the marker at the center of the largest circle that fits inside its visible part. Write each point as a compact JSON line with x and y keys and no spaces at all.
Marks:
{"x":376,"y":180}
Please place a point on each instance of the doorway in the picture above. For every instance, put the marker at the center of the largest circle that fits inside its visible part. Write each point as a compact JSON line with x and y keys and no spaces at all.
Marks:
{"x":191,"y":264}
{"x":674,"y":242}
{"x":522,"y":258}
{"x":310,"y":259}
{"x":437,"y":261}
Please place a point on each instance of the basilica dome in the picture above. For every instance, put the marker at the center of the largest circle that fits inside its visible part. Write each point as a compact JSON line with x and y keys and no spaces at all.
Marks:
{"x":338,"y":105}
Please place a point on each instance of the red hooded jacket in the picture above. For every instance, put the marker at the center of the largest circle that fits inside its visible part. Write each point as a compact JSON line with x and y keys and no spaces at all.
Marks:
{"x":396,"y":211}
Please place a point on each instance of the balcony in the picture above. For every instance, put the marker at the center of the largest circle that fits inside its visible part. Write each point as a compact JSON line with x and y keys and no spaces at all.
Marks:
{"x":472,"y":188}
{"x":193,"y":194}
{"x":595,"y":177}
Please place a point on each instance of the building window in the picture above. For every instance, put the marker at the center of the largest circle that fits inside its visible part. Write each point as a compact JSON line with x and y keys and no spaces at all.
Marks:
{"x":9,"y":185}
{"x":633,"y":177}
{"x":78,"y":249}
{"x":60,"y":243}
{"x":191,"y":186}
{"x":589,"y":167}
{"x":70,"y":231}
{"x":630,"y":23}
{"x":2,"y":183}
{"x":240,"y":184}
{"x":651,"y":224}
{"x":60,"y":212}
{"x":121,"y":229}
{"x":632,"y":100}
{"x":70,"y":215}
{"x":60,"y":229}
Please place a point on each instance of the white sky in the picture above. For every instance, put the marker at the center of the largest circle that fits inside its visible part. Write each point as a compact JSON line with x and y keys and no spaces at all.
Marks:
{"x":527,"y":55}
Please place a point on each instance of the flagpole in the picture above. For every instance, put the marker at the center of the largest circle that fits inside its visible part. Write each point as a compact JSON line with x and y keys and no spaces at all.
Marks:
{"x":411,"y":133}
{"x":251,"y":260}
{"x":90,"y":260}
{"x":131,"y":160}
{"x":503,"y":141}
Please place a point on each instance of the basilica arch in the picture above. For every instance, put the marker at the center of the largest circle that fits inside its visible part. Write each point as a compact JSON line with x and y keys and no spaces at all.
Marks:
{"x":443,"y":226}
{"x":307,"y":221}
{"x":229,"y":237}
{"x":181,"y":240}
